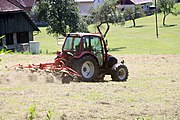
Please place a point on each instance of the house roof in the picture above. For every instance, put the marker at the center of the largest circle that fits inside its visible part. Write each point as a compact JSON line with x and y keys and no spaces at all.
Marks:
{"x":5,"y":6}
{"x":123,"y":2}
{"x":84,"y":0}
{"x":141,"y":1}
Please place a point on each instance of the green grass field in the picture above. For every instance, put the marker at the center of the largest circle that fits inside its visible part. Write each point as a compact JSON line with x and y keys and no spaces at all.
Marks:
{"x":47,"y":42}
{"x":128,"y":40}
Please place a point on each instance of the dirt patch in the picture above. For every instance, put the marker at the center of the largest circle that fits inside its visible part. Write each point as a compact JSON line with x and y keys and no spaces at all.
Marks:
{"x":152,"y":91}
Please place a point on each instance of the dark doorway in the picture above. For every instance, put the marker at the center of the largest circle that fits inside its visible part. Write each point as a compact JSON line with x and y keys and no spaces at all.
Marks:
{"x":22,"y":37}
{"x":9,"y":39}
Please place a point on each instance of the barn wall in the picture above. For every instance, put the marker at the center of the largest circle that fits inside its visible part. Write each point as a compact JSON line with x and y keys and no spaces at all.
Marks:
{"x":31,"y":36}
{"x":17,"y":46}
{"x":4,"y":41}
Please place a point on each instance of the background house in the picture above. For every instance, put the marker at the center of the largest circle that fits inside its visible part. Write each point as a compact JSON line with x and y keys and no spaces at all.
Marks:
{"x":86,"y":6}
{"x":16,"y":25}
{"x":145,"y":4}
{"x":98,"y":2}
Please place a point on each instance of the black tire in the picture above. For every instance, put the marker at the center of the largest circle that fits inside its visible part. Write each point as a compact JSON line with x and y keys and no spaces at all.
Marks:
{"x":86,"y":66}
{"x":119,"y":72}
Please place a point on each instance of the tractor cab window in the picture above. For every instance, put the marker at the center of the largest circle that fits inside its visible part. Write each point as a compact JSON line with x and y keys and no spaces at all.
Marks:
{"x":97,"y":48}
{"x":68,"y":44}
{"x":72,"y":44}
{"x":96,"y":44}
{"x":76,"y":44}
{"x":85,"y":43}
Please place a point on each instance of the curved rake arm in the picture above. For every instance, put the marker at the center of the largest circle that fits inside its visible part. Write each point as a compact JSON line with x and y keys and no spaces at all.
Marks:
{"x":98,"y":27}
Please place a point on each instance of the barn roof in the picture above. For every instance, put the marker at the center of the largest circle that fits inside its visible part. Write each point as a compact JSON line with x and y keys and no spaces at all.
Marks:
{"x":27,"y":3}
{"x":13,"y":19}
{"x":12,"y":5}
{"x":5,"y":6}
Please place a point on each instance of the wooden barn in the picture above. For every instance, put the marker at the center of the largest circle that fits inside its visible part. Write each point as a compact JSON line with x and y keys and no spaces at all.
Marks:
{"x":15,"y":25}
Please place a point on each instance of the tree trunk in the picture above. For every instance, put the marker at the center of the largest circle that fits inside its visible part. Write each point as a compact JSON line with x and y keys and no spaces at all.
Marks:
{"x":164,"y":19}
{"x":134,"y":22}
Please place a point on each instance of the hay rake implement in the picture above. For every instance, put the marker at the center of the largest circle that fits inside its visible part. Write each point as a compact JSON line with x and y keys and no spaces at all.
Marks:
{"x":57,"y":68}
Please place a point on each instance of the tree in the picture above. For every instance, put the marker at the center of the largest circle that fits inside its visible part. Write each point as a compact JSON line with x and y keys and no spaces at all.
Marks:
{"x":63,"y":17}
{"x":39,"y":11}
{"x":134,"y":13}
{"x":176,"y":9}
{"x":107,"y":13}
{"x":166,"y":7}
{"x":82,"y":24}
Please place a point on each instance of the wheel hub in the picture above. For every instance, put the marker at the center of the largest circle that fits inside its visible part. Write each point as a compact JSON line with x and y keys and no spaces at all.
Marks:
{"x":122,"y":73}
{"x":87,"y":69}
{"x":84,"y":69}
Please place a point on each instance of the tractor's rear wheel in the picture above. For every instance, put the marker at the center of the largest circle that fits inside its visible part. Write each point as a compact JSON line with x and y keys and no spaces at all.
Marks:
{"x":119,"y":72}
{"x":87,"y":66}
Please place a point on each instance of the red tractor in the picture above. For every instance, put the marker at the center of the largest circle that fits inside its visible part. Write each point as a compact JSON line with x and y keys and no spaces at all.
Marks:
{"x":87,"y":54}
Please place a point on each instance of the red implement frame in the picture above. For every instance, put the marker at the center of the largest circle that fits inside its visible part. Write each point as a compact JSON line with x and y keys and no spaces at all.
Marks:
{"x":57,"y":67}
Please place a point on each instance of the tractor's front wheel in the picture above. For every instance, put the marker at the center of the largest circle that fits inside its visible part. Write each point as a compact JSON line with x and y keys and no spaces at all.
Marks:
{"x":119,"y":72}
{"x":87,"y":66}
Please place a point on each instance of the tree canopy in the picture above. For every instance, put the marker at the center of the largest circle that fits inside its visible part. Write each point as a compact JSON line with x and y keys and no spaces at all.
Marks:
{"x":107,"y":13}
{"x":166,"y":7}
{"x":39,"y":11}
{"x":132,"y":13}
{"x":62,"y":16}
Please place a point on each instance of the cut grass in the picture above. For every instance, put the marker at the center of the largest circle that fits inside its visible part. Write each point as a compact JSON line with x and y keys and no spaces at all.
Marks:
{"x":151,"y":92}
{"x":129,"y":40}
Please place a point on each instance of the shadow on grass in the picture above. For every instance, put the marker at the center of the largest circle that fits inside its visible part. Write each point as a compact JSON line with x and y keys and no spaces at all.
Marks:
{"x":173,"y":25}
{"x":138,"y":26}
{"x":116,"y":49}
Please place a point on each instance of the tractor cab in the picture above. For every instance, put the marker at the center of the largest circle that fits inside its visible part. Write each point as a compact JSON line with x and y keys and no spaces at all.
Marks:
{"x":79,"y":44}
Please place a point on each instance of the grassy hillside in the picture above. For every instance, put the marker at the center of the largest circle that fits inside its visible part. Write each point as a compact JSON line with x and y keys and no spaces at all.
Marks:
{"x":129,"y":40}
{"x":142,"y":39}
{"x":47,"y":42}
